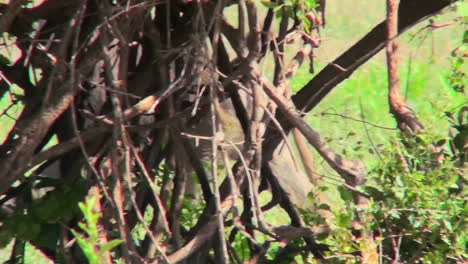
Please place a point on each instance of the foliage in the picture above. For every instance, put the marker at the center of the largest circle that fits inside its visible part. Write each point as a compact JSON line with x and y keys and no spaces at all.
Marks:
{"x":419,"y":208}
{"x":458,"y":76}
{"x":57,"y":205}
{"x":92,"y":247}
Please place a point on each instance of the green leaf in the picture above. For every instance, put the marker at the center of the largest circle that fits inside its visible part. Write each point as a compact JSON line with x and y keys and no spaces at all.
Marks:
{"x":289,"y":11}
{"x":324,"y":207}
{"x":277,"y":9}
{"x":323,"y":188}
{"x":4,"y":60}
{"x":84,"y":227}
{"x":311,"y":4}
{"x":399,"y":180}
{"x":448,"y":224}
{"x":345,"y":194}
{"x":269,"y":4}
{"x":306,"y":22}
{"x":343,"y":219}
{"x":88,"y":248}
{"x":47,"y":237}
{"x":110,"y":245}
{"x":412,"y":219}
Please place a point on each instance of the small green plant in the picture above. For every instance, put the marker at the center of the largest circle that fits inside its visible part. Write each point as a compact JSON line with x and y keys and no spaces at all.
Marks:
{"x":93,"y":248}
{"x":38,"y":214}
{"x":417,"y":212}
{"x":458,"y":140}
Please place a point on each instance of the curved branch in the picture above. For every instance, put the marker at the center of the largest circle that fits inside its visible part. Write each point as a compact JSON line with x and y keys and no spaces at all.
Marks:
{"x":410,"y":12}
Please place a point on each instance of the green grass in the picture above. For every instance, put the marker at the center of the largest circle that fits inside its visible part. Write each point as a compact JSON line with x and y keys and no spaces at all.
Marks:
{"x":424,"y":61}
{"x":426,"y":95}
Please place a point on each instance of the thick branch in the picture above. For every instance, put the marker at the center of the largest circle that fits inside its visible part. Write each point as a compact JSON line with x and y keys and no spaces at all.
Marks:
{"x":29,"y":135}
{"x":410,"y":13}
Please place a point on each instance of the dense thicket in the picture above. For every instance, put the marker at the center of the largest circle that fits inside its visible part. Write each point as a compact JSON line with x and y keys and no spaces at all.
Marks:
{"x":161,"y":119}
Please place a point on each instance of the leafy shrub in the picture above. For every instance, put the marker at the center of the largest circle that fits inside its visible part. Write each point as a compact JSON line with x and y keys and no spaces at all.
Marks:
{"x":419,"y":208}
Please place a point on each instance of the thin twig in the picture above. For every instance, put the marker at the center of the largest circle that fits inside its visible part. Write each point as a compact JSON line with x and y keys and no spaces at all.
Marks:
{"x":217,"y":133}
{"x":361,"y":108}
{"x":74,"y":81}
{"x":152,"y":185}
{"x":140,"y":216}
{"x":119,"y":168}
{"x":358,"y":120}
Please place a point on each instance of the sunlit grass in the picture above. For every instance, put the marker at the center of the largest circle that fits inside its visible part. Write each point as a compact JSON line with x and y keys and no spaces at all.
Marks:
{"x":424,"y":63}
{"x":364,"y":97}
{"x":32,"y":256}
